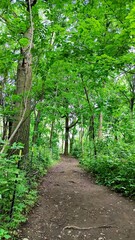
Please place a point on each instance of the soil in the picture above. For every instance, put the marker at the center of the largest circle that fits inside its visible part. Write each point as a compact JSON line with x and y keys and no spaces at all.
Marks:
{"x":72,"y":206}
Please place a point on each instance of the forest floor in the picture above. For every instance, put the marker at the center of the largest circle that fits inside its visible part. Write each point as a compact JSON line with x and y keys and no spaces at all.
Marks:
{"x":71,"y":206}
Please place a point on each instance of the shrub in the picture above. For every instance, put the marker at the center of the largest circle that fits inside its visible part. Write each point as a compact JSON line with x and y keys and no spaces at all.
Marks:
{"x":18,"y":183}
{"x":116,"y":173}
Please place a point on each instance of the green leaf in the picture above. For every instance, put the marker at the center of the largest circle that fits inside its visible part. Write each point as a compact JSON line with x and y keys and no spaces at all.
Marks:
{"x":24,"y":42}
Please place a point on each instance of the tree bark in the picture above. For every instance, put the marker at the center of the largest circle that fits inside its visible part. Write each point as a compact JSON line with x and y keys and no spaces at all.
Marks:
{"x":5,"y":128}
{"x":100,"y":125}
{"x":51,"y":134}
{"x":67,"y":129}
{"x":66,"y":135}
{"x":21,"y":121}
{"x":23,"y":87}
{"x":132,"y":91}
{"x":81,"y":134}
{"x":92,"y":134}
{"x":36,"y":124}
{"x":72,"y":141}
{"x":62,"y":143}
{"x":132,"y":102}
{"x":2,"y":104}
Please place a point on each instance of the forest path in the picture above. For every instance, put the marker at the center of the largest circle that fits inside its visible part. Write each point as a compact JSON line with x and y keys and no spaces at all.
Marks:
{"x":71,"y":206}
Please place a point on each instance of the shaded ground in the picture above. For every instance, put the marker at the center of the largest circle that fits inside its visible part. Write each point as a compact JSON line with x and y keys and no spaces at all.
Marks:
{"x":71,"y":206}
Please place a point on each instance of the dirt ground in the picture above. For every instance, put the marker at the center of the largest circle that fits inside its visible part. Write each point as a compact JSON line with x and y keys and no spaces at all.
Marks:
{"x":71,"y":206}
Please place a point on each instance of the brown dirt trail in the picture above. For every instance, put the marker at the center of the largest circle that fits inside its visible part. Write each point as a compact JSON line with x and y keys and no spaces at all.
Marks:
{"x":71,"y":206}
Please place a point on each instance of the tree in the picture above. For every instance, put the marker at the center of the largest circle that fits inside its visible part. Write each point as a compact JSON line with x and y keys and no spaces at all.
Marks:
{"x":21,"y":119}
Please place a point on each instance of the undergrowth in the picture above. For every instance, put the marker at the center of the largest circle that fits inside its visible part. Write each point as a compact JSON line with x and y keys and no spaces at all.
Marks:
{"x":113,"y":166}
{"x":19,"y":179}
{"x":118,"y":174}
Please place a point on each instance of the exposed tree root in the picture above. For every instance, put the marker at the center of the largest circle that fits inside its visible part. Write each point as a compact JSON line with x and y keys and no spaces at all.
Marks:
{"x":86,"y":228}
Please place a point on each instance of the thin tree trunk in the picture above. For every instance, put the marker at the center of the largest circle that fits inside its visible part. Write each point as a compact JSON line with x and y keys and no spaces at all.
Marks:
{"x":62,"y":145}
{"x":81,"y":134}
{"x":5,"y":128}
{"x":132,"y":101}
{"x":51,"y":134}
{"x":36,"y":124}
{"x":2,"y":103}
{"x":9,"y":128}
{"x":72,"y":141}
{"x":92,"y":134}
{"x":66,"y":135}
{"x":132,"y":98}
{"x":100,"y":134}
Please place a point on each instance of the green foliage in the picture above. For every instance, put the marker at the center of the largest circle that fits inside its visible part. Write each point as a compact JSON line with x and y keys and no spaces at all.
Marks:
{"x":77,"y":152}
{"x":4,"y":234}
{"x":19,"y":176}
{"x":114,"y":166}
{"x":24,"y":42}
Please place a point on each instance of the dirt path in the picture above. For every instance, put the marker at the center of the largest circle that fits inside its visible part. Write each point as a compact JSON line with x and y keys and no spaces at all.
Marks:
{"x":72,"y":207}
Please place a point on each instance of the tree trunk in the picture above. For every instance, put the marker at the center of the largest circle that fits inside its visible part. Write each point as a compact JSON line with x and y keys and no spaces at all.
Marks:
{"x":5,"y":128}
{"x":66,"y":135}
{"x":132,"y":101}
{"x":2,"y":104}
{"x":36,"y":124}
{"x":51,"y":134}
{"x":9,"y":128}
{"x":23,"y":87}
{"x":81,"y":134}
{"x":100,"y":126}
{"x":72,"y":141}
{"x":62,"y":141}
{"x":132,"y":92}
{"x":92,"y":134}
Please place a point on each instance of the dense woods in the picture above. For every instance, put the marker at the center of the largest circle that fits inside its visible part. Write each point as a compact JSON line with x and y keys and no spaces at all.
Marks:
{"x":67,"y":85}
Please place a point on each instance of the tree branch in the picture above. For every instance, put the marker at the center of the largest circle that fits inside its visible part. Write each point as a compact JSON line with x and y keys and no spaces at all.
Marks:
{"x":86,"y":92}
{"x":73,"y":124}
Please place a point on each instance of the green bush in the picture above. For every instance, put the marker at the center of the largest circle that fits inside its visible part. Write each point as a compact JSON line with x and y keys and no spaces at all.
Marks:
{"x":113,"y":166}
{"x":18,"y":185}
{"x":77,"y":152}
{"x":119,"y":174}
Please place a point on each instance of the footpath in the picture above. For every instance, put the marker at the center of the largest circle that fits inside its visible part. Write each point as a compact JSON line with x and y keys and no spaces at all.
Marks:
{"x":72,"y":207}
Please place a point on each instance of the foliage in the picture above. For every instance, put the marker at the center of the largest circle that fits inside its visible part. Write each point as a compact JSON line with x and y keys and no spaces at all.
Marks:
{"x":114,"y":166}
{"x":77,"y":152}
{"x":19,"y":176}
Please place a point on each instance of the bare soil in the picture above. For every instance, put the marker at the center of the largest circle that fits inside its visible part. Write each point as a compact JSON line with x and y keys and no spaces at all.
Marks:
{"x":71,"y":206}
